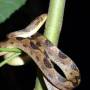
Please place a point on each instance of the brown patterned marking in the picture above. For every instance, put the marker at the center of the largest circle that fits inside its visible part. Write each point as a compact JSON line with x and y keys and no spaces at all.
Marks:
{"x":48,"y":43}
{"x":33,"y":45}
{"x":12,"y":42}
{"x":47,"y":64}
{"x":35,"y":35}
{"x":74,"y":67}
{"x":38,"y":44}
{"x":76,"y":81}
{"x":62,"y":55}
{"x":45,"y":53}
{"x":25,"y":45}
{"x":25,"y":42}
{"x":37,"y":57}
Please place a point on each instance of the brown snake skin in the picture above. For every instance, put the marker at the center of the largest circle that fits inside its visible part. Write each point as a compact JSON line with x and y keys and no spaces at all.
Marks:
{"x":42,"y":51}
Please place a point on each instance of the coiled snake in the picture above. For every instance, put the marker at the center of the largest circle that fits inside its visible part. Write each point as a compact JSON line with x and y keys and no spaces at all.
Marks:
{"x":42,"y":51}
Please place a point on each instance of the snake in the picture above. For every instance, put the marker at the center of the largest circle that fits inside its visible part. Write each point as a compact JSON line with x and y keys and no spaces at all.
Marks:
{"x":44,"y":54}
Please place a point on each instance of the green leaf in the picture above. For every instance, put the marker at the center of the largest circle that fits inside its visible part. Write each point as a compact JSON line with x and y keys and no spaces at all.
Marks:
{"x":7,"y":7}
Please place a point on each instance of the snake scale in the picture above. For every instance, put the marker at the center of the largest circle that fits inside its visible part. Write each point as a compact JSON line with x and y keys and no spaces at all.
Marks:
{"x":43,"y":52}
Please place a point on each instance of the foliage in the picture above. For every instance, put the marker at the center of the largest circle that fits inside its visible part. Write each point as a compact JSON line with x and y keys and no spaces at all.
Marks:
{"x":7,"y":7}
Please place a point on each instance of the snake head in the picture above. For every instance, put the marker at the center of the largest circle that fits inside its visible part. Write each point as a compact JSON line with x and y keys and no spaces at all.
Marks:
{"x":19,"y":33}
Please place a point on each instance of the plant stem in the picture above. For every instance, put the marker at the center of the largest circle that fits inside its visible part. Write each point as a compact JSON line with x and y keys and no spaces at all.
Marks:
{"x":38,"y":85}
{"x":9,"y":58}
{"x":54,"y":20}
{"x":10,"y":50}
{"x":53,"y":25}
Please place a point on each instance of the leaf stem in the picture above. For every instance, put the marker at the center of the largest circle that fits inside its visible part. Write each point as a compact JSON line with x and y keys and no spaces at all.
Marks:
{"x":9,"y":58}
{"x":10,"y":50}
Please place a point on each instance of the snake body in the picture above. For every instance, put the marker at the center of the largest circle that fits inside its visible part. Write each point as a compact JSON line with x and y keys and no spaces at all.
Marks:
{"x":42,"y":51}
{"x":31,"y":29}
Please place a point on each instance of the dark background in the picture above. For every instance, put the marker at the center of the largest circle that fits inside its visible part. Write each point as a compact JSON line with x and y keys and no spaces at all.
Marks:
{"x":73,"y":41}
